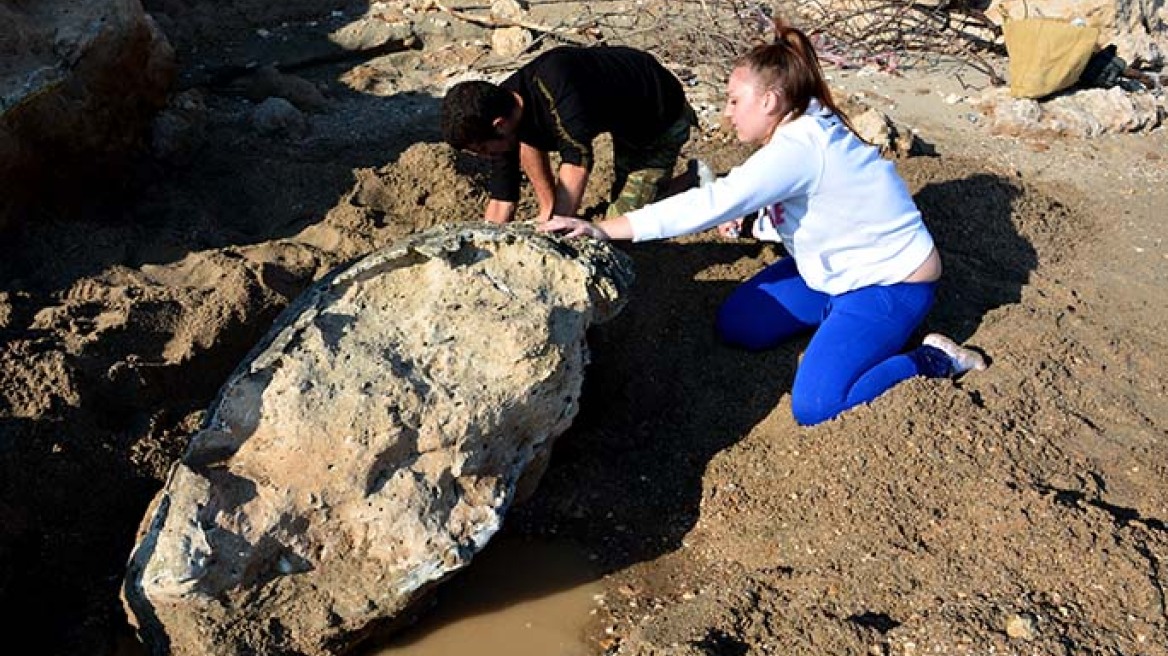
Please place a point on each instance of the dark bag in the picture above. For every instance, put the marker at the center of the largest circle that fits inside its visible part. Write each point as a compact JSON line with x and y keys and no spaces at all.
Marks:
{"x":1103,"y":70}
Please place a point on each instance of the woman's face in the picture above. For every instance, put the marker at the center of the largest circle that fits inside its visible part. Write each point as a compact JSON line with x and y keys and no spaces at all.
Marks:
{"x":751,"y":108}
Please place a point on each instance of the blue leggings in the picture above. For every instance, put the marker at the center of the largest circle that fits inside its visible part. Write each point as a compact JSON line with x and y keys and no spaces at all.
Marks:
{"x":854,"y":356}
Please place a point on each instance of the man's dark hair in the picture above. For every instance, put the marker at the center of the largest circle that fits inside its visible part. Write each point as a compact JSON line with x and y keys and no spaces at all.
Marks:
{"x":469,"y":110}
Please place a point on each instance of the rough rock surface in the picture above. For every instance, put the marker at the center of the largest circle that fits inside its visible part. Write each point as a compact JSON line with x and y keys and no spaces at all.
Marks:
{"x":372,"y":442}
{"x":1082,"y":113}
{"x":79,"y":84}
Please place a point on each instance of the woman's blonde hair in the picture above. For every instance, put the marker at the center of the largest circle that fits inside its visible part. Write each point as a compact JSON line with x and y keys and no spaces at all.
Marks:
{"x":789,"y":65}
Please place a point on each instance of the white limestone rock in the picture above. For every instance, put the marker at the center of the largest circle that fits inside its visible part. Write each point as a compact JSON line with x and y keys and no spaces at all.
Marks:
{"x":510,"y":41}
{"x":509,"y":11}
{"x":1081,"y":113}
{"x":378,"y":28}
{"x":371,"y":444}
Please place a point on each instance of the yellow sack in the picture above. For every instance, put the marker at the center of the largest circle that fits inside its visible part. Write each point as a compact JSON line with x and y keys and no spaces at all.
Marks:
{"x":1046,"y":54}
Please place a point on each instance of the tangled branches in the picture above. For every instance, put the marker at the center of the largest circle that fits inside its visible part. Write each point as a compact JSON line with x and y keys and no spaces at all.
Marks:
{"x":894,"y":33}
{"x":889,"y":34}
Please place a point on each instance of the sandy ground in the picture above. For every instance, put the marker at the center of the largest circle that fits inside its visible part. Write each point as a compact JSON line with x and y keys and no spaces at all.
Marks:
{"x":1020,"y":510}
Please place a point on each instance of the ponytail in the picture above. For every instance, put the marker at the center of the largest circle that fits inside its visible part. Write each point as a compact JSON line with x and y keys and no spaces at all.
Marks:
{"x":790,"y":65}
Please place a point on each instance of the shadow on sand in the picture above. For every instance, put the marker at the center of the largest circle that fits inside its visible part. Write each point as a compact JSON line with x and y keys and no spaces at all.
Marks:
{"x":662,"y":395}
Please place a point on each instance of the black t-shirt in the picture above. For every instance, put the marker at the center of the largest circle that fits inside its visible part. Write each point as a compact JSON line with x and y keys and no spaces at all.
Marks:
{"x":571,"y":95}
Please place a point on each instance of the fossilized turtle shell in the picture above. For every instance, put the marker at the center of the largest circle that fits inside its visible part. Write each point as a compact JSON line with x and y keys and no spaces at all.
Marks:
{"x":370,"y":445}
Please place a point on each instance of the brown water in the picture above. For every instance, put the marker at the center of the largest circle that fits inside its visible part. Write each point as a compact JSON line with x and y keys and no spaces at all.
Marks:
{"x":518,"y":598}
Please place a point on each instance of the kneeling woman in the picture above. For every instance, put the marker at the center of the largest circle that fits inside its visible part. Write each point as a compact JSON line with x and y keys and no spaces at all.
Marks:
{"x":863,"y":268}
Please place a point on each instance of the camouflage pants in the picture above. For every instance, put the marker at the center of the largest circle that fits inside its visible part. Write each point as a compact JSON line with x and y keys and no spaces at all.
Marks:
{"x":642,"y":171}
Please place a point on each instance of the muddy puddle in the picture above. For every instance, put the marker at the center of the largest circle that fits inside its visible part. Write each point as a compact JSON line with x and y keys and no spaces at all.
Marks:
{"x":519,"y":597}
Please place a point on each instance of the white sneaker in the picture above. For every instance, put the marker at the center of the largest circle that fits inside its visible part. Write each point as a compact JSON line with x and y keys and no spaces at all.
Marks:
{"x":961,"y":359}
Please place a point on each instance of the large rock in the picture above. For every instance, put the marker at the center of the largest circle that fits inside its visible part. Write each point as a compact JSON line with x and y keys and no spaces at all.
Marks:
{"x":1138,"y":28}
{"x":79,"y":84}
{"x":371,"y":444}
{"x":1083,"y":113}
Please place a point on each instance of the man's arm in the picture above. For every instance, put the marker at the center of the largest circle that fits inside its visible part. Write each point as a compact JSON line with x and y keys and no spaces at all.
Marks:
{"x":570,"y":189}
{"x":499,"y":211}
{"x":503,"y":187}
{"x":575,"y":128}
{"x":538,"y":167}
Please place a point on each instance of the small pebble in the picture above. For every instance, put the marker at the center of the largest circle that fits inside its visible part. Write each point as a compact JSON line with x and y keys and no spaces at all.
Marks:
{"x":1020,"y":626}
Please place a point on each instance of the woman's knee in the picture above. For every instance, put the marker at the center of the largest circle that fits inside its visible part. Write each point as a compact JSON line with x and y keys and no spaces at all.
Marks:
{"x":741,"y":323}
{"x":809,"y":410}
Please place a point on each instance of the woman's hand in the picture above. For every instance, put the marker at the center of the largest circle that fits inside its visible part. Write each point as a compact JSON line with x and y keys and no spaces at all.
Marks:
{"x":572,"y":227}
{"x":730,"y":229}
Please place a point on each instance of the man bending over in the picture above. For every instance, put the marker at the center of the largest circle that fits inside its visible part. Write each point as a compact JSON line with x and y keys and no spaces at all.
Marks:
{"x":561,"y":101}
